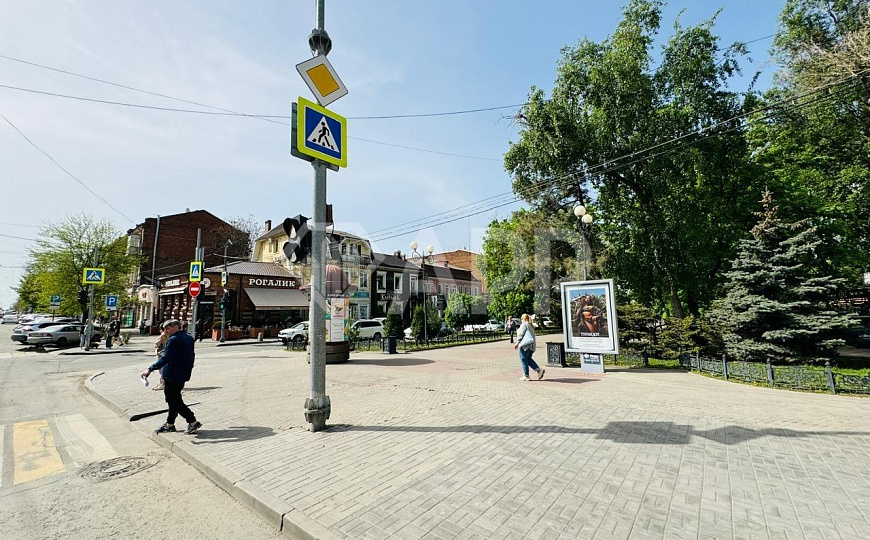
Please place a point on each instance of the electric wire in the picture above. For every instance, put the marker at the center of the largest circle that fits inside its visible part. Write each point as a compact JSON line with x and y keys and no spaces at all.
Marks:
{"x":71,"y":175}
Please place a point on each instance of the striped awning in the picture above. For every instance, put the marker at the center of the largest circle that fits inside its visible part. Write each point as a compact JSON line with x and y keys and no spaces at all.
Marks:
{"x":275,"y":299}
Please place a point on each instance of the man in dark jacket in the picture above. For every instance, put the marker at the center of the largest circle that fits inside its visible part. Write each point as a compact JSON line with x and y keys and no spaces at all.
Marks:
{"x":177,"y":365}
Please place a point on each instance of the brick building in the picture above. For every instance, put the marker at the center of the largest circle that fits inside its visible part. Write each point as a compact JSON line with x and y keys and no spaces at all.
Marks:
{"x":175,"y":240}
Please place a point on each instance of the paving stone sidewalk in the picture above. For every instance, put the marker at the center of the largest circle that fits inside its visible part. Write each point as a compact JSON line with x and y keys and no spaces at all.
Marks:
{"x":451,"y":444}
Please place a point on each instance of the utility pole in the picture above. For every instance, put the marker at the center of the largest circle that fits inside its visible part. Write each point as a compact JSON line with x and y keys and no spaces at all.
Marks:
{"x":89,"y":329}
{"x":196,"y":257}
{"x":318,"y":406}
{"x":223,"y":300}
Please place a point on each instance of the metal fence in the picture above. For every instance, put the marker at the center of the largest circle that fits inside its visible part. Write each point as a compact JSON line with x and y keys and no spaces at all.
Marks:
{"x":812,"y":378}
{"x":410,"y":344}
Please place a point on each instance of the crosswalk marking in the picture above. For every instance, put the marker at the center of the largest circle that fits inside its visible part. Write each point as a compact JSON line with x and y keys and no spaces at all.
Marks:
{"x":34,"y":453}
{"x":82,"y":441}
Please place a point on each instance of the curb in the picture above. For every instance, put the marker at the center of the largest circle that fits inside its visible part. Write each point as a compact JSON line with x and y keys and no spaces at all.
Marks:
{"x":102,"y":351}
{"x":276,"y":512}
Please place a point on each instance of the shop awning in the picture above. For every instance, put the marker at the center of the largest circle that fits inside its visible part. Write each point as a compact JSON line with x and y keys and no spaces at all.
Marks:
{"x":173,"y":290}
{"x":275,"y":299}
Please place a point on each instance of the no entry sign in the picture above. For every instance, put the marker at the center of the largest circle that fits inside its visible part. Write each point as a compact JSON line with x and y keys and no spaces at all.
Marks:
{"x":195,"y":288}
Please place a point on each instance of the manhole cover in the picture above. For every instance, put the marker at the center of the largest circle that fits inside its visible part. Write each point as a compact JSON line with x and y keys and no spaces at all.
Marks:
{"x":110,"y":469}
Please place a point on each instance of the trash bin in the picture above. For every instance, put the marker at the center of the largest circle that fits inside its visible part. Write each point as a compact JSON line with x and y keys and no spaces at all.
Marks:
{"x":556,"y":354}
{"x":388,"y":345}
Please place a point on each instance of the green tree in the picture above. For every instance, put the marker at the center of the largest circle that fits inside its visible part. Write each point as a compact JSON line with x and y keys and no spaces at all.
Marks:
{"x":433,"y":323}
{"x":776,"y":306}
{"x":815,"y":147}
{"x":465,"y":309}
{"x":666,"y":218}
{"x":62,"y":252}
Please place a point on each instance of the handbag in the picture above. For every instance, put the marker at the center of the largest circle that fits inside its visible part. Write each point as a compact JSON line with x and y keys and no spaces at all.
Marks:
{"x":528,"y":339}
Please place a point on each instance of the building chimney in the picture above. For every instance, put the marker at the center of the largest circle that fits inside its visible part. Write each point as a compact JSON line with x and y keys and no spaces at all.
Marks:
{"x":267,"y":226}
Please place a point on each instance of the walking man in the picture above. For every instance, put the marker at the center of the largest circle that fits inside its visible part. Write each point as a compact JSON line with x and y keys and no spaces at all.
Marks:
{"x":177,"y":365}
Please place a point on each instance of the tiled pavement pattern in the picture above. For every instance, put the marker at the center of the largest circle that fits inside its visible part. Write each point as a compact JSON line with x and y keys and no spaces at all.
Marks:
{"x":450,"y":444}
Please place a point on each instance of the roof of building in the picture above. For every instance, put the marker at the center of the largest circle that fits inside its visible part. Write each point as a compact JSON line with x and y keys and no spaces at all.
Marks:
{"x":249,"y":268}
{"x":449,"y":272}
{"x":381,"y":260}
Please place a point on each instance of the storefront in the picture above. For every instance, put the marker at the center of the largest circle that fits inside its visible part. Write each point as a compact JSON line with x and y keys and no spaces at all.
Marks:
{"x":266,"y":295}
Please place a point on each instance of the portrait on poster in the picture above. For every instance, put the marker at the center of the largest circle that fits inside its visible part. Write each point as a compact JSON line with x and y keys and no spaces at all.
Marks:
{"x":589,"y":317}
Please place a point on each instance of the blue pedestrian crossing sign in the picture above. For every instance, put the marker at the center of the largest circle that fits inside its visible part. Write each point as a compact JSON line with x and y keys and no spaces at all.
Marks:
{"x":195,"y":271}
{"x":93,"y":276}
{"x":321,"y":134}
{"x":111,"y":302}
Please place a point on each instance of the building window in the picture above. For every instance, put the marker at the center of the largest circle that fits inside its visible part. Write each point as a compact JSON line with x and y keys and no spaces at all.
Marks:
{"x":363,"y":280}
{"x":382,"y":309}
{"x":397,"y":282}
{"x":363,"y":312}
{"x":343,"y":249}
{"x":414,"y":284}
{"x":382,"y":282}
{"x":354,"y":311}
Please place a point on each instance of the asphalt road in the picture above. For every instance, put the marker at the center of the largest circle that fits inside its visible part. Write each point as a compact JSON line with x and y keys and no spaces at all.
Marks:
{"x":65,"y":456}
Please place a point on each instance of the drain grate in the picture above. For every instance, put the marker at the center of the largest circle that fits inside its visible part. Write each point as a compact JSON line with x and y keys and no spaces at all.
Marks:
{"x":110,"y":469}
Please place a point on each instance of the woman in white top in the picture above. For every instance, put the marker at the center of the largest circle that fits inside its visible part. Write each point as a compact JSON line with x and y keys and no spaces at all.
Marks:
{"x":527,"y":333}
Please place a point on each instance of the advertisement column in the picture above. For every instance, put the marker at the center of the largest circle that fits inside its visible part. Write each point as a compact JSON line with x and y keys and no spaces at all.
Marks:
{"x":589,"y":320}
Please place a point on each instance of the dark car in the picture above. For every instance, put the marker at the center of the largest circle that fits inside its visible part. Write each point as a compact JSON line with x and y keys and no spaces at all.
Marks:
{"x":859,"y":335}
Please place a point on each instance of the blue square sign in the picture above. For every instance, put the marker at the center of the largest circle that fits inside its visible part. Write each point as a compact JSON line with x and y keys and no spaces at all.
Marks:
{"x":321,"y":133}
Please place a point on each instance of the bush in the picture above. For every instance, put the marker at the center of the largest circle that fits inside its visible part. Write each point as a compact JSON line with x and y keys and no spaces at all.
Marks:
{"x":433,"y":322}
{"x":393,"y":326}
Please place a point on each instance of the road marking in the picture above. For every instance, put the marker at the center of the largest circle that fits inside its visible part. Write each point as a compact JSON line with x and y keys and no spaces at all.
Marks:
{"x":34,"y":452}
{"x":2,"y":451}
{"x":82,"y":441}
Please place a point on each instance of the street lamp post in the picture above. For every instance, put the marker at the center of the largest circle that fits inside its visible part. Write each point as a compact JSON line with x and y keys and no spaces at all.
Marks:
{"x":224,"y":302}
{"x":585,"y":219}
{"x":430,"y":250}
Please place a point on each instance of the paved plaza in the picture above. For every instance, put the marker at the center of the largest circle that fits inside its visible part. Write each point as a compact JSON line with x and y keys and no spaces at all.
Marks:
{"x":451,"y":444}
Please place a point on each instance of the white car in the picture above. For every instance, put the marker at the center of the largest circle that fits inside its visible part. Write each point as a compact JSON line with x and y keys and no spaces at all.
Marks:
{"x":491,"y":325}
{"x":10,"y":318}
{"x":369,"y":328}
{"x":297,"y":334}
{"x":20,"y":333}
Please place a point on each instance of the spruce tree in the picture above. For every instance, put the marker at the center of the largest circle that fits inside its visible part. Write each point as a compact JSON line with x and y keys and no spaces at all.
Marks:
{"x":776,"y":306}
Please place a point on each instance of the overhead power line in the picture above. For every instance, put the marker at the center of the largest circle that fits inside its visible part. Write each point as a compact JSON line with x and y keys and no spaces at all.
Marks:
{"x":71,"y":175}
{"x":17,"y":237}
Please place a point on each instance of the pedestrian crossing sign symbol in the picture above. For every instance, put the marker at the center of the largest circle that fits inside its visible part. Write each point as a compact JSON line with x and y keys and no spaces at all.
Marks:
{"x":195,"y":271}
{"x":93,"y":276}
{"x":321,"y":133}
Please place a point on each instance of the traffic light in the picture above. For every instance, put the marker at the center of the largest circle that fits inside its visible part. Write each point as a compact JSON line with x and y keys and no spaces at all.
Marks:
{"x":83,"y":297}
{"x":227,"y":300}
{"x":299,"y":246}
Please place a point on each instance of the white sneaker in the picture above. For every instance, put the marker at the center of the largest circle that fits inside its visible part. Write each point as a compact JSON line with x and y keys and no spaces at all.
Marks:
{"x":524,"y":378}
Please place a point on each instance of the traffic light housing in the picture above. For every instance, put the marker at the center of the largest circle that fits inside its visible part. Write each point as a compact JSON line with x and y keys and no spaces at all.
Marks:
{"x":297,"y":248}
{"x":227,"y":300}
{"x":83,"y":297}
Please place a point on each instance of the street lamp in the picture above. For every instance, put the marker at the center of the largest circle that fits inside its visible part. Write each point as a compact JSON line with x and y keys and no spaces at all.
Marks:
{"x":430,"y":250}
{"x":586,"y":219}
{"x":224,"y":306}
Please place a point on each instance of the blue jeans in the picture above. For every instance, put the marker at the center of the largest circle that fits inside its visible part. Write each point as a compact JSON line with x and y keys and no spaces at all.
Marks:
{"x":526,"y":361}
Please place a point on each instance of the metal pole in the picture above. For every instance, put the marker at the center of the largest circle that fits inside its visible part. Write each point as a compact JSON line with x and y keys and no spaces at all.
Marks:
{"x":224,"y":308}
{"x":317,"y":406}
{"x":425,"y":302}
{"x":153,"y":313}
{"x":90,"y":327}
{"x":196,"y":257}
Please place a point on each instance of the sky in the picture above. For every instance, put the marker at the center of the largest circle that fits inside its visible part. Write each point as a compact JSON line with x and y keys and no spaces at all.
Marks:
{"x":395,"y":57}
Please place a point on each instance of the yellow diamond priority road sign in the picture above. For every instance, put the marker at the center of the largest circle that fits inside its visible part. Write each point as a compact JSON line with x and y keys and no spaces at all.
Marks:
{"x":322,"y":79}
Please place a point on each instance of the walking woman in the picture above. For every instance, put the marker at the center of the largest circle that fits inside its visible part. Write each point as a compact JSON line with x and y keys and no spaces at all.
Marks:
{"x":526,"y":345}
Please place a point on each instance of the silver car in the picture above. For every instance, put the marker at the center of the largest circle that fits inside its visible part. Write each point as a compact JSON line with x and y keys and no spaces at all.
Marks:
{"x":60,"y":335}
{"x":20,"y":333}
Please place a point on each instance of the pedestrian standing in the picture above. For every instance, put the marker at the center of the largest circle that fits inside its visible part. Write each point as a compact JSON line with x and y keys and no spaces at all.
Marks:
{"x":526,"y":345}
{"x":176,"y":366}
{"x":159,"y":345}
{"x":199,"y":325}
{"x":110,"y":333}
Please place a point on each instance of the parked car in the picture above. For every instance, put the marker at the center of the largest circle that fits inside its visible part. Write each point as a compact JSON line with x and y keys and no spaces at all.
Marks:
{"x":861,"y":333}
{"x":20,"y":333}
{"x":297,"y":334}
{"x":60,"y":335}
{"x":491,"y":325}
{"x":369,"y":328}
{"x":10,"y":318}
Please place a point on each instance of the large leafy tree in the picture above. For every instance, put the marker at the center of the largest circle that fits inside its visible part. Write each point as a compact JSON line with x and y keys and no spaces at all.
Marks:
{"x":64,"y":250}
{"x":816,"y":149}
{"x":777,"y":302}
{"x":668,"y":211}
{"x":464,"y":309}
